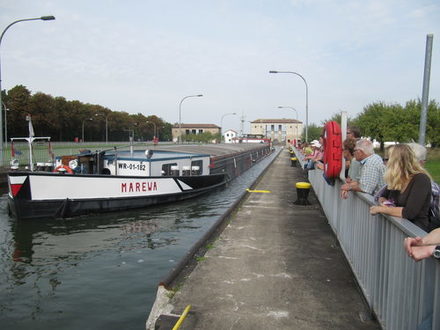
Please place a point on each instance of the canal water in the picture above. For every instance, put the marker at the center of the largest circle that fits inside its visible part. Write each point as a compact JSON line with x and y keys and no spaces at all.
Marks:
{"x":100,"y":272}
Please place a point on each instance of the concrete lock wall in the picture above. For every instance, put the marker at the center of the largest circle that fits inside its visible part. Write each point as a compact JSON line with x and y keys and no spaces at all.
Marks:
{"x":401,"y":293}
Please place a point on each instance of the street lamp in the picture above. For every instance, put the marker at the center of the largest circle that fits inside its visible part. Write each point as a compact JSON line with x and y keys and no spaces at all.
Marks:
{"x":282,"y":107}
{"x":83,"y":127}
{"x":43,"y":18}
{"x":154,"y":127}
{"x":180,"y":115}
{"x":307,"y":98}
{"x":106,"y":125}
{"x":221,"y":125}
{"x":6,"y":124}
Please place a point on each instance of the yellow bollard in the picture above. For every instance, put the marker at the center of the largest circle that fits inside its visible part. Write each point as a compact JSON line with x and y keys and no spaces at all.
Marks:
{"x":302,"y":192}
{"x":293,"y":161}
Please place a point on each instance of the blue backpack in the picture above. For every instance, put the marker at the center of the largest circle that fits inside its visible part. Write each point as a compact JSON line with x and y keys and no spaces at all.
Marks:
{"x":434,"y":208}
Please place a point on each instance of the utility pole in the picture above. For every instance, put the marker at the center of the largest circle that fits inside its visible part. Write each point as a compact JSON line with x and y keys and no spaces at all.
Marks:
{"x":425,"y":92}
{"x":242,"y":120}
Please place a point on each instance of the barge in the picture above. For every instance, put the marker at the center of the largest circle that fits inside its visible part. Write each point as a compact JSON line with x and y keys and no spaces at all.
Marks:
{"x":118,"y":179}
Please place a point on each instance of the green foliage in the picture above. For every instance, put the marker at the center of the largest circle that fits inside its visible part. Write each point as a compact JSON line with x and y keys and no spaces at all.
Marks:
{"x":397,"y":123}
{"x":63,"y":120}
{"x":314,"y":132}
{"x":205,"y":137}
{"x":337,"y":118}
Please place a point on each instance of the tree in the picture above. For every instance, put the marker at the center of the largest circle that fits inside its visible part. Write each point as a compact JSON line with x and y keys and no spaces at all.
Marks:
{"x":205,"y":137}
{"x":372,"y":123}
{"x":17,"y":101}
{"x":314,"y":132}
{"x":396,"y":123}
{"x":44,"y":115}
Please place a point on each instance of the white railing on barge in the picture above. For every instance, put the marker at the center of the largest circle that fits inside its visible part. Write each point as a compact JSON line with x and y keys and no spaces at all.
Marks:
{"x":400,"y":292}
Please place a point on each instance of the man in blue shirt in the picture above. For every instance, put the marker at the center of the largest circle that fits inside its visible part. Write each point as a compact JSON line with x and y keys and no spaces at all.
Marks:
{"x":372,"y":170}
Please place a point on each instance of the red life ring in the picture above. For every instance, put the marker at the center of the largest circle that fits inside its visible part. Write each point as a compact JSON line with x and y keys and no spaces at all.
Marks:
{"x":333,"y":152}
{"x":66,"y":169}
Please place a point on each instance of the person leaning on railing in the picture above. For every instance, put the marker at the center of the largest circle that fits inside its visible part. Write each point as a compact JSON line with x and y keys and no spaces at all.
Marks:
{"x":372,"y":170}
{"x":408,"y":192}
{"x":421,"y":248}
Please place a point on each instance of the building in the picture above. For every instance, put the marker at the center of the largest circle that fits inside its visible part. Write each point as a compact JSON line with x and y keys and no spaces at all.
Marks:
{"x":229,"y":136}
{"x":194,"y":129}
{"x":278,"y":130}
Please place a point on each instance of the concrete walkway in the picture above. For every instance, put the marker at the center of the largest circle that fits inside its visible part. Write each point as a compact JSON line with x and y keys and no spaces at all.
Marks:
{"x":275,"y":266}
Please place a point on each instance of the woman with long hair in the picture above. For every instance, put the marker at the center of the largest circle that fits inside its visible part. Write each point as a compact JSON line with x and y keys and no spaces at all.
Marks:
{"x":408,"y":193}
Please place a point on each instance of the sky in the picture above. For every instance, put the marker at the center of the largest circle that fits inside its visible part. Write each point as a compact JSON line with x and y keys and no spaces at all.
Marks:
{"x":142,"y":56}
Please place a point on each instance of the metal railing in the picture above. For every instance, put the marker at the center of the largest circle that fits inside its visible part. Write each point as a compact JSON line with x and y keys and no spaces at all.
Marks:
{"x":400,"y":292}
{"x":40,"y":150}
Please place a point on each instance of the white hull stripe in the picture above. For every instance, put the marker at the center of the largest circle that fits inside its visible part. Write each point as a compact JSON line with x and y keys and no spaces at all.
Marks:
{"x":17,"y":179}
{"x":184,"y":185}
{"x":67,"y":186}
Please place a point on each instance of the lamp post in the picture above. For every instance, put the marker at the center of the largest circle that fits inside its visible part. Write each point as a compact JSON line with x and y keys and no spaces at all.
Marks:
{"x":282,"y":107}
{"x":154,"y":127}
{"x":43,"y":18}
{"x":180,"y":115}
{"x":83,"y":127}
{"x":307,"y":98}
{"x":285,"y":107}
{"x":221,"y":123}
{"x":6,"y":124}
{"x":106,"y":125}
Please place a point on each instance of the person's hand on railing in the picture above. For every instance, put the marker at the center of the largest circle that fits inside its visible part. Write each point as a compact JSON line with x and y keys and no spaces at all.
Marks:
{"x":344,"y":194}
{"x":415,"y":249}
{"x":345,"y":188}
{"x":387,"y":209}
{"x":319,"y":165}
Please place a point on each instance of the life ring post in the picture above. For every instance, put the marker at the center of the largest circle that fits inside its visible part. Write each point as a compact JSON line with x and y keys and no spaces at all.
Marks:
{"x":63,"y":169}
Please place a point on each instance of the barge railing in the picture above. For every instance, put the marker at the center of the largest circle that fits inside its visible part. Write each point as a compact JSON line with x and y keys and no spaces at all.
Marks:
{"x":400,"y":292}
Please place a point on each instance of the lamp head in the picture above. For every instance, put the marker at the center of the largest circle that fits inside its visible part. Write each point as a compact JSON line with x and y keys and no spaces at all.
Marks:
{"x":47,"y":18}
{"x":199,"y":95}
{"x":273,"y":71}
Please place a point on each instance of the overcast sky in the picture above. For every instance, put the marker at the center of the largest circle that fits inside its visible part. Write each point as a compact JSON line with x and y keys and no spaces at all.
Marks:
{"x":145,"y":56}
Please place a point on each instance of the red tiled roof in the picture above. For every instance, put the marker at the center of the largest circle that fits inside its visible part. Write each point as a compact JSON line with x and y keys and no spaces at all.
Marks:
{"x":196,"y":126}
{"x":276,"y":121}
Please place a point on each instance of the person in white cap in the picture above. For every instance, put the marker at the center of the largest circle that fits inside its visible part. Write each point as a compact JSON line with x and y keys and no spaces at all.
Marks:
{"x":316,"y":156}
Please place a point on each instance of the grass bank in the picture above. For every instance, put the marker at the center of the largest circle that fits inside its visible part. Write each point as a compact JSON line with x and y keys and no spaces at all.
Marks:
{"x":433,"y":164}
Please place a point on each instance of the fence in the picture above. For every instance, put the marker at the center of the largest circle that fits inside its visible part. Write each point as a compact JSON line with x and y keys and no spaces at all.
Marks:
{"x":400,"y":292}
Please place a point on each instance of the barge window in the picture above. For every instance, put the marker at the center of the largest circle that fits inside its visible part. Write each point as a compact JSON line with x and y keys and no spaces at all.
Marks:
{"x":196,"y":167}
{"x":169,"y":169}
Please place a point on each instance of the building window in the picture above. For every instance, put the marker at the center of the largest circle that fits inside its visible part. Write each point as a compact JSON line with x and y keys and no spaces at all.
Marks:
{"x":194,"y":131}
{"x":272,"y":128}
{"x":200,"y":131}
{"x":280,"y":127}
